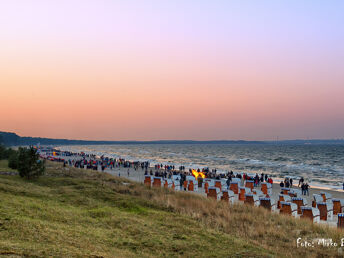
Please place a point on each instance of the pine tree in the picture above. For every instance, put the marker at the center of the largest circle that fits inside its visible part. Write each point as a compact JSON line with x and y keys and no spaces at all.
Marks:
{"x":29,"y":164}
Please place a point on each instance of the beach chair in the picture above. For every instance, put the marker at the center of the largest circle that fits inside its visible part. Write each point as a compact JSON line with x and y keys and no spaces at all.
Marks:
{"x":188,"y":178}
{"x":310,"y":213}
{"x":326,"y":196}
{"x":176,"y":177}
{"x":295,"y":193}
{"x":316,"y":198}
{"x":266,"y":188}
{"x":168,"y":183}
{"x":288,"y":208}
{"x":268,"y":203}
{"x":214,"y":192}
{"x":148,"y":180}
{"x":228,"y":196}
{"x":206,"y":187}
{"x":285,"y":190}
{"x":185,"y":184}
{"x":224,"y":183}
{"x":249,"y":184}
{"x":234,"y":186}
{"x":299,"y":202}
{"x":236,"y":180}
{"x":326,"y":210}
{"x":252,"y":199}
{"x":242,"y":192}
{"x":338,"y":206}
{"x":157,"y":182}
{"x":193,"y":185}
{"x":258,"y":192}
{"x":176,"y":184}
{"x":218,"y":184}
{"x":340,"y":223}
{"x":283,"y":198}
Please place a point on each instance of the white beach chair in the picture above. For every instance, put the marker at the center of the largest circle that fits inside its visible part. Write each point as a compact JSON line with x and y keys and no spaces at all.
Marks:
{"x":218,"y":184}
{"x":252,"y":199}
{"x":289,"y":208}
{"x":258,"y":192}
{"x":214,"y":192}
{"x":295,"y":193}
{"x":310,"y":213}
{"x":285,"y":190}
{"x":266,"y":188}
{"x":326,"y":210}
{"x":236,"y":180}
{"x":224,"y":183}
{"x":268,"y":203}
{"x":148,"y":180}
{"x":316,"y":199}
{"x":193,"y":185}
{"x":176,"y":177}
{"x":300,"y":202}
{"x":157,"y":182}
{"x":228,"y":195}
{"x":188,"y":178}
{"x":326,"y":196}
{"x":283,"y":198}
{"x":242,"y":192}
{"x":234,"y":186}
{"x":249,"y":184}
{"x":338,"y":206}
{"x":168,"y":183}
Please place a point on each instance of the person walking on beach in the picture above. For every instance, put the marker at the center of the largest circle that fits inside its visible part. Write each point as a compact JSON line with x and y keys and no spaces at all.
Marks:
{"x":303,"y":189}
{"x":306,"y":189}
{"x":128,"y":172}
{"x":300,"y":182}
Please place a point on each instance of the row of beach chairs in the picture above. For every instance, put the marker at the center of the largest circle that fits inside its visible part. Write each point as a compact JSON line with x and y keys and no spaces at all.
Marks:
{"x":290,"y":201}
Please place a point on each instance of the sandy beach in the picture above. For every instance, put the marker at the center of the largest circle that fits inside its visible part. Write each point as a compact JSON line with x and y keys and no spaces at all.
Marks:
{"x":138,"y":176}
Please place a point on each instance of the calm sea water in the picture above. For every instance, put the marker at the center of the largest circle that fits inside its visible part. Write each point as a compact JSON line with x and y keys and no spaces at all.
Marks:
{"x":320,"y":165}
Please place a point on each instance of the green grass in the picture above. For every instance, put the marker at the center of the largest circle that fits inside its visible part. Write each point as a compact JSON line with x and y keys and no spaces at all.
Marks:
{"x":78,"y":217}
{"x":77,"y":213}
{"x":4,"y":166}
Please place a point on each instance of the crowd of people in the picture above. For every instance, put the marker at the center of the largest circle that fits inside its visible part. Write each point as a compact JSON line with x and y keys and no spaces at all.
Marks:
{"x":91,"y":161}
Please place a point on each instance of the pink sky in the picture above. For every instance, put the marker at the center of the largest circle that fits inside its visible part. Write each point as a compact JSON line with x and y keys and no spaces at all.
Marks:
{"x":148,"y":70}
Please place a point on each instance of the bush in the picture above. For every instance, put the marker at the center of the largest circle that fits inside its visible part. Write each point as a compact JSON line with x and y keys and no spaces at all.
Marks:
{"x":2,"y":152}
{"x":29,"y":164}
{"x":13,"y":159}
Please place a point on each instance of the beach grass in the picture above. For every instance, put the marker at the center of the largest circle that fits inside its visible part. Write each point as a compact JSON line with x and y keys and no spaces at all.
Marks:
{"x":74,"y":212}
{"x":4,"y":167}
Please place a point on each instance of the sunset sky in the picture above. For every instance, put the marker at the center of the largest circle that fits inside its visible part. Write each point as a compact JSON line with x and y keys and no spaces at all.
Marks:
{"x":179,"y":69}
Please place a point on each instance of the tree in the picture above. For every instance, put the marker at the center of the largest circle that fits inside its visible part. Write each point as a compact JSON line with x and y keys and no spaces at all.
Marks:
{"x":29,"y":164}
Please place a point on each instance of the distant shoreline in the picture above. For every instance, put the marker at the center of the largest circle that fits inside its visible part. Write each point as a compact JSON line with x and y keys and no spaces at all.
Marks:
{"x":12,"y":139}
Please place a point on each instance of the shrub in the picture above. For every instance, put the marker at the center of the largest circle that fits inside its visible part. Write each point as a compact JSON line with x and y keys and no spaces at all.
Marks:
{"x":13,"y":159}
{"x":29,"y":164}
{"x":2,"y":152}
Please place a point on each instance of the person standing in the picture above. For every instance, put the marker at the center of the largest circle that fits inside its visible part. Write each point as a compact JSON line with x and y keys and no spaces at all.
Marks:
{"x":306,"y":189}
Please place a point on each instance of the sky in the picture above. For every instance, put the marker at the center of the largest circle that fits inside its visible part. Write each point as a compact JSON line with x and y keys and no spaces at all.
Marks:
{"x":152,"y":70}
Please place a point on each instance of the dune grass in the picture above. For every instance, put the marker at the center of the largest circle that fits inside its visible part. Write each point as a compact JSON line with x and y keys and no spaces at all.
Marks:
{"x":72,"y":212}
{"x":4,"y":166}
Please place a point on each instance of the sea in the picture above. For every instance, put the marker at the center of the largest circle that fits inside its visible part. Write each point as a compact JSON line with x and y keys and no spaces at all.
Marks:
{"x":321,"y":165}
